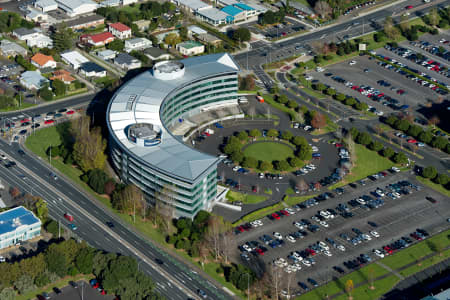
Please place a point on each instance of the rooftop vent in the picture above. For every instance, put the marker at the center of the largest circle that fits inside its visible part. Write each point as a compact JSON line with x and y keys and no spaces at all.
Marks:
{"x":130,"y":102}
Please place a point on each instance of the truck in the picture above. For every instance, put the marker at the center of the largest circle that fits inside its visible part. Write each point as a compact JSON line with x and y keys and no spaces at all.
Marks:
{"x":260,"y":99}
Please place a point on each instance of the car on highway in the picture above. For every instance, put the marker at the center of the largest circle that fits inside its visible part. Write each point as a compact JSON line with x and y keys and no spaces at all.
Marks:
{"x":110,"y":224}
{"x":53,"y":175}
{"x":202,"y":293}
{"x":68,"y":217}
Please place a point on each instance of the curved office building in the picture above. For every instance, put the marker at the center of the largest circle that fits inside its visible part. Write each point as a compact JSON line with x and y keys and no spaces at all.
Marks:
{"x":143,"y":149}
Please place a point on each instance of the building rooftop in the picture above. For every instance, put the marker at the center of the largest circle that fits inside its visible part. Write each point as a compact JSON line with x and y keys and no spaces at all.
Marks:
{"x":125,"y":59}
{"x":34,"y":78}
{"x":231,"y":10}
{"x":155,"y":51}
{"x":45,"y":3}
{"x":41,"y":59}
{"x":139,"y":101}
{"x":12,"y":219}
{"x":74,"y":57}
{"x":190,"y":44}
{"x":25,"y":31}
{"x":119,"y":26}
{"x":74,"y":4}
{"x":194,"y":4}
{"x":197,"y":30}
{"x":101,"y":37}
{"x":214,"y":14}
{"x":244,"y":6}
{"x":84,"y":20}
{"x":91,"y":67}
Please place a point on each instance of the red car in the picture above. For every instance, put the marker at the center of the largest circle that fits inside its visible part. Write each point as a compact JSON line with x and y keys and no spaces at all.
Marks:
{"x":70,"y":112}
{"x":240,"y":228}
{"x":338,"y":145}
{"x":24,"y":120}
{"x":284,"y":212}
{"x":68,"y":217}
{"x":412,"y":141}
{"x":409,"y":7}
{"x":206,"y":133}
{"x":254,"y":189}
{"x":275,"y":216}
{"x":49,"y":121}
{"x":311,"y":251}
{"x":259,"y":251}
{"x":388,"y":249}
{"x":96,"y":285}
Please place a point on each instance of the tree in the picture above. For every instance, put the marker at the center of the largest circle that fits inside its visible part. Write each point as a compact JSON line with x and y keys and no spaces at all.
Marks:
{"x":323,"y":9}
{"x":287,"y":135}
{"x":8,"y":294}
{"x":415,"y":130}
{"x":340,"y":97}
{"x":364,"y":138}
{"x":250,"y":162}
{"x":40,"y":208}
{"x":283,"y":99}
{"x":402,"y":125}
{"x":272,"y":133}
{"x":295,"y":162}
{"x":183,"y":32}
{"x":128,"y":200}
{"x":304,"y":152}
{"x":243,"y":135}
{"x":265,"y":165}
{"x":433,"y":17}
{"x":389,"y":28}
{"x":85,"y":259}
{"x":425,"y":136}
{"x":318,"y":121}
{"x":249,"y":83}
{"x":255,"y":133}
{"x":400,"y":158}
{"x":442,"y":179}
{"x":391,"y":120}
{"x":439,"y":142}
{"x":59,"y":87}
{"x":292,"y":104}
{"x":320,"y":86}
{"x":429,"y":172}
{"x":24,"y":284}
{"x":331,"y":91}
{"x":387,"y":152}
{"x":434,"y":120}
{"x":172,"y":39}
{"x":45,"y":93}
{"x":302,"y":185}
{"x":109,"y":187}
{"x":237,"y":156}
{"x":62,"y":38}
{"x":216,"y":226}
{"x":376,"y":146}
{"x":350,"y":101}
{"x":282,"y":165}
{"x":116,"y":45}
{"x":97,"y":180}
{"x":89,"y":146}
{"x":349,"y":288}
{"x":242,"y":34}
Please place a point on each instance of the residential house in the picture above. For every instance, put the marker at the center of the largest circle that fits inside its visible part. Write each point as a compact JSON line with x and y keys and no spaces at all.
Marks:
{"x":43,"y":61}
{"x":109,"y":3}
{"x":189,"y":48}
{"x":97,"y":40}
{"x":46,"y":5}
{"x":17,"y":225}
{"x":106,"y":54}
{"x":77,"y":7}
{"x":193,"y":5}
{"x":91,"y":69}
{"x":11,"y":49}
{"x":33,"y":80}
{"x":195,"y":30}
{"x":120,"y":30}
{"x":86,"y":22}
{"x":74,"y":59}
{"x":34,"y":37}
{"x":24,"y":33}
{"x":37,"y":16}
{"x":137,"y":44}
{"x":160,"y":37}
{"x":155,"y":53}
{"x":127,"y":62}
{"x":62,"y":75}
{"x":209,"y":39}
{"x":142,"y":25}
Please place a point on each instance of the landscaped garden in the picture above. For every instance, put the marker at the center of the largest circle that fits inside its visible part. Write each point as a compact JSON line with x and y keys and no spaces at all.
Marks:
{"x":269,"y":151}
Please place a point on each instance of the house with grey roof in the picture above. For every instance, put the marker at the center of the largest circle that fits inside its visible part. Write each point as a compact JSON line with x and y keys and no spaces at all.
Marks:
{"x":91,"y":69}
{"x":155,"y":53}
{"x":33,"y":80}
{"x":127,"y":62}
{"x":8,"y":48}
{"x":46,"y":5}
{"x":137,"y":44}
{"x":24,"y":33}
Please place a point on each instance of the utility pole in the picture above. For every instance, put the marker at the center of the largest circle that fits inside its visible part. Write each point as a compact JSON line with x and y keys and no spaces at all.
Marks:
{"x":82,"y":290}
{"x":59,"y":229}
{"x":134,"y":211}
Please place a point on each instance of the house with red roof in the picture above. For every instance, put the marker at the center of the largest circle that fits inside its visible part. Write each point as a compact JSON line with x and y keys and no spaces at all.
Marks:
{"x":120,"y":30}
{"x":99,"y":39}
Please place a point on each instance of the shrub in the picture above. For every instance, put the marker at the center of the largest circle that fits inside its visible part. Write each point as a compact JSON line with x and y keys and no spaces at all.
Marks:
{"x":331,"y":92}
{"x":250,"y":162}
{"x":340,"y":97}
{"x":402,"y":125}
{"x":350,"y":101}
{"x":295,"y":162}
{"x":439,"y":142}
{"x":442,"y":179}
{"x":265,"y":165}
{"x":286,"y":135}
{"x":292,"y":104}
{"x":400,"y":158}
{"x":243,"y":135}
{"x":375,"y":146}
{"x":387,"y":152}
{"x":282,"y":165}
{"x":429,"y":172}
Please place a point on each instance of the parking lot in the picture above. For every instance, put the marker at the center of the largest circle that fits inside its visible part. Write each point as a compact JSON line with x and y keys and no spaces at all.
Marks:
{"x":395,"y":219}
{"x":78,"y":291}
{"x":288,"y":27}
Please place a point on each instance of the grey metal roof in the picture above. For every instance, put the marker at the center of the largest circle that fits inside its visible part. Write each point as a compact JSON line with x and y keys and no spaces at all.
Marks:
{"x":171,"y":156}
{"x":91,"y":67}
{"x":84,"y":20}
{"x":25,"y":31}
{"x":11,"y":219}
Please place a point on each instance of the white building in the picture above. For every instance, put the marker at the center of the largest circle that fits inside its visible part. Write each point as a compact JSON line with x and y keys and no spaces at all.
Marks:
{"x":137,"y":44}
{"x":35,"y":15}
{"x":127,"y":62}
{"x":40,"y":40}
{"x":90,"y":69}
{"x":74,"y":59}
{"x":189,"y":48}
{"x":46,"y":5}
{"x":106,"y":54}
{"x":16,"y":225}
{"x":128,"y":2}
{"x":120,"y":30}
{"x":77,"y":7}
{"x":193,"y":5}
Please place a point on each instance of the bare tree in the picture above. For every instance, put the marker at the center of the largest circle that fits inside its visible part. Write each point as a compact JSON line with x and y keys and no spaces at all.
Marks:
{"x":349,"y":288}
{"x":302,"y":185}
{"x":203,"y":251}
{"x":404,"y":23}
{"x":371,"y":277}
{"x":434,"y":120}
{"x":228,"y":243}
{"x":276,"y":279}
{"x":433,"y":17}
{"x":214,"y":232}
{"x":289,"y":279}
{"x":300,"y":117}
{"x":390,"y":29}
{"x":351,"y":148}
{"x":323,"y":9}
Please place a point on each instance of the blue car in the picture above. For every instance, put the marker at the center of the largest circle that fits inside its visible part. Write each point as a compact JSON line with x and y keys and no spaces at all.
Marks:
{"x":218,"y":125}
{"x":316,"y":155}
{"x":73,"y":226}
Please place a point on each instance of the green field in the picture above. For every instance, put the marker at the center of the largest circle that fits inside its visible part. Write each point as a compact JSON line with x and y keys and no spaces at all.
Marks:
{"x":438,"y":187}
{"x":367,"y":162}
{"x":245,"y":198}
{"x":269,"y":151}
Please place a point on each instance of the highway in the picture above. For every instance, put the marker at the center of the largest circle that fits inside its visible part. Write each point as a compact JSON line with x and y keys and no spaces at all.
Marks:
{"x":339,"y":32}
{"x":174,"y":279}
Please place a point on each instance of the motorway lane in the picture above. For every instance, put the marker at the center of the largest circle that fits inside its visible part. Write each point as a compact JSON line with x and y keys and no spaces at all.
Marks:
{"x":183,"y":274}
{"x":88,"y":230}
{"x":351,"y":28}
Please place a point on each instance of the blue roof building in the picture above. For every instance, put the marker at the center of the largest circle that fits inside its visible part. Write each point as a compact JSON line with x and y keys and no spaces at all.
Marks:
{"x":18,"y":224}
{"x":239,"y":11}
{"x":232,"y":10}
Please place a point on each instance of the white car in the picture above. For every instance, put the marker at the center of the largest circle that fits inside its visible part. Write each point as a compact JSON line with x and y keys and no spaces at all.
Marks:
{"x":315,"y":149}
{"x":247,"y":248}
{"x":352,"y":62}
{"x":306,"y":263}
{"x":327,"y":253}
{"x":299,"y":225}
{"x":375,"y":234}
{"x":324,"y":224}
{"x":297,"y":266}
{"x":290,"y":210}
{"x":278,"y":235}
{"x":315,"y":218}
{"x":366,"y":237}
{"x":261,"y":175}
{"x":290,"y":238}
{"x":2,"y":259}
{"x":378,"y":253}
{"x":236,"y":168}
{"x":307,"y":127}
{"x":395,"y":169}
{"x":323,"y":245}
{"x":341,"y":247}
{"x":3,"y":156}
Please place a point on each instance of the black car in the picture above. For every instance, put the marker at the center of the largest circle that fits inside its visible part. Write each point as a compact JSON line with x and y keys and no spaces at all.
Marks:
{"x":159,"y":261}
{"x":431,"y":199}
{"x":57,"y":290}
{"x":339,"y":270}
{"x":35,"y":125}
{"x":73,"y":284}
{"x":313,"y":282}
{"x":373,"y":224}
{"x":21,"y":152}
{"x":110,"y":224}
{"x":303,"y":286}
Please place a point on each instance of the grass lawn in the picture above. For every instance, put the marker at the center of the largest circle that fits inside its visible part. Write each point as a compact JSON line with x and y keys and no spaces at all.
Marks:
{"x":296,"y":200}
{"x":269,"y":99}
{"x":381,"y":287}
{"x":367,"y":162}
{"x":260,"y":213}
{"x":425,"y":264}
{"x":245,"y":198}
{"x":269,"y":151}
{"x":434,"y":186}
{"x":24,"y":105}
{"x":337,"y":286}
